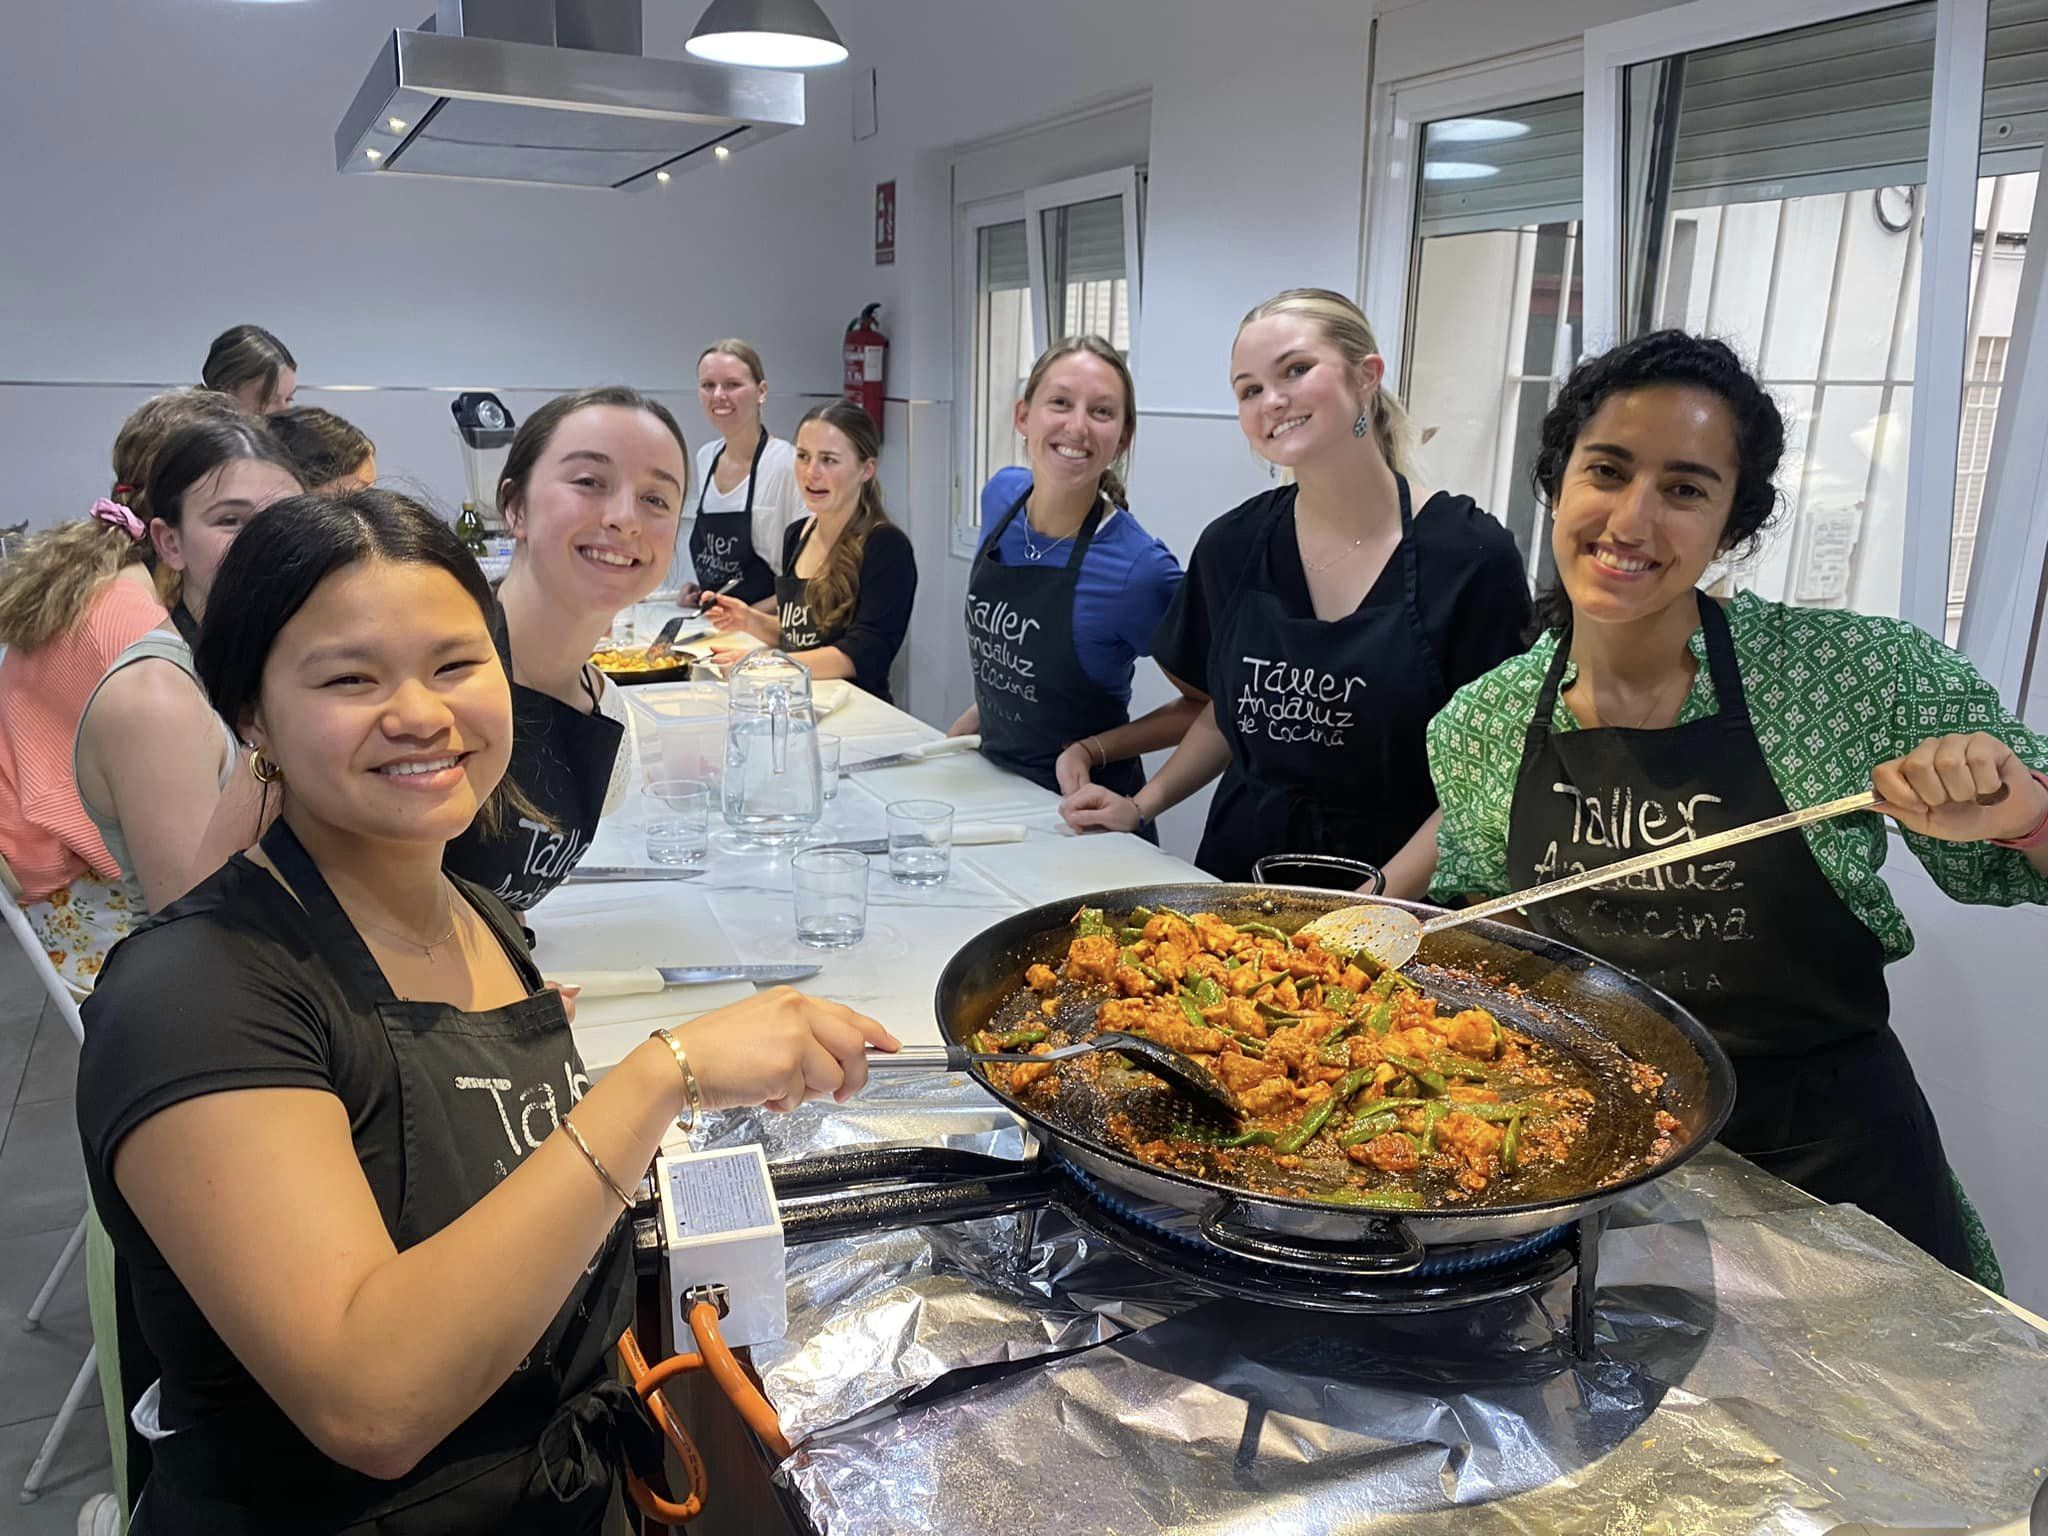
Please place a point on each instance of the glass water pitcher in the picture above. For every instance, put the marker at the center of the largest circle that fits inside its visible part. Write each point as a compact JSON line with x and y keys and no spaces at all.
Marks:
{"x":773,"y":792}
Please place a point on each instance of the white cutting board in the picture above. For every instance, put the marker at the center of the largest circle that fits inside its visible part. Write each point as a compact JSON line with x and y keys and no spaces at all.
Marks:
{"x":975,"y":788}
{"x":621,"y":927}
{"x":1047,"y":868}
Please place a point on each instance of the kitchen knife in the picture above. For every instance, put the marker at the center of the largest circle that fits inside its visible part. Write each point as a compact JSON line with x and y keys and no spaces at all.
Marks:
{"x":923,"y":754}
{"x":659,"y":978}
{"x":966,"y":834}
{"x":613,"y":874}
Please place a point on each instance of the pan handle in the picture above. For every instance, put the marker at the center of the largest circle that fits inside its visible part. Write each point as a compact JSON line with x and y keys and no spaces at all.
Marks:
{"x":1384,"y":1246}
{"x":1295,"y":869}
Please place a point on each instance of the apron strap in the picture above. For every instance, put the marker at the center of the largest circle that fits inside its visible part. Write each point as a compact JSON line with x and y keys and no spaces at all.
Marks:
{"x":341,"y":945}
{"x":186,"y":624}
{"x":1729,"y":698}
{"x":1731,"y":701}
{"x":753,"y":474}
{"x":1411,"y":583}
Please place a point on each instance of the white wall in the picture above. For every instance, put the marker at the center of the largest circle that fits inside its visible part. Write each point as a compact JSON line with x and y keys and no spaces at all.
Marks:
{"x":183,"y":181}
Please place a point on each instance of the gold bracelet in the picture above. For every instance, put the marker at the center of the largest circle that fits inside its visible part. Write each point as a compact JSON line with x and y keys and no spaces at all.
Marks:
{"x":693,"y":1095}
{"x":604,"y":1173}
{"x":1096,"y":747}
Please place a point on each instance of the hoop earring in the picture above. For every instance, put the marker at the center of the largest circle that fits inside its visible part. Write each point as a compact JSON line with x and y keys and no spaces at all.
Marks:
{"x":262,"y":769}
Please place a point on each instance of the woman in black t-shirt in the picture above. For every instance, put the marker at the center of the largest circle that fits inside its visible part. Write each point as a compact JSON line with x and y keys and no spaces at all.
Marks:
{"x":1327,"y":620}
{"x":335,"y":1123}
{"x":848,"y":574}
{"x":592,"y":492}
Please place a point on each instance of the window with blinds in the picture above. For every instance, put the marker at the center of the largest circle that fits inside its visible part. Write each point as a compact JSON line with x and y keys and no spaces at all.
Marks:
{"x":1003,"y":349}
{"x":1087,"y":292}
{"x":1514,"y":168}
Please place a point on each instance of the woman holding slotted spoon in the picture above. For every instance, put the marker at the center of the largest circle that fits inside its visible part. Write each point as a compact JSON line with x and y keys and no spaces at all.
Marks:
{"x":1652,"y":712}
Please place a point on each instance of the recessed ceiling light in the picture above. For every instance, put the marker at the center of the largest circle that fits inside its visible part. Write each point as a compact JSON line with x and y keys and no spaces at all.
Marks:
{"x":1475,"y":130}
{"x":1457,"y":170}
{"x":661,"y":176}
{"x":769,"y":34}
{"x":374,"y":154}
{"x":397,"y":124}
{"x":722,"y":152}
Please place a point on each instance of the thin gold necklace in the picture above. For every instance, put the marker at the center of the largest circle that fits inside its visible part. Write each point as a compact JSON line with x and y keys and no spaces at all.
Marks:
{"x":412,"y":941}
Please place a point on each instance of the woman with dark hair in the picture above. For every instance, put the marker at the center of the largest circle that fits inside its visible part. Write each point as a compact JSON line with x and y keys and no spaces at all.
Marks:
{"x":849,"y":575}
{"x":1652,"y":711}
{"x":154,"y":763}
{"x":334,"y":457}
{"x":336,"y":1123}
{"x":592,"y":489}
{"x":253,"y":368}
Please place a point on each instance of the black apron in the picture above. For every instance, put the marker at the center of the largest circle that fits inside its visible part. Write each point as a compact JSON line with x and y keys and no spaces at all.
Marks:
{"x":1757,"y":944}
{"x":562,"y":759}
{"x":1325,"y":721}
{"x":800,"y":632}
{"x":722,"y":543}
{"x":1029,"y":685}
{"x":480,"y":1091}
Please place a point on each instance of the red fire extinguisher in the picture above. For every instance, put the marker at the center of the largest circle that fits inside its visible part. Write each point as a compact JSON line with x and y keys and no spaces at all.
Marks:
{"x":867,"y":363}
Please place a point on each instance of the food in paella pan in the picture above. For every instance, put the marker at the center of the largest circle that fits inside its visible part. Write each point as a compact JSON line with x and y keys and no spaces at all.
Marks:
{"x":634,"y":659}
{"x":1356,"y":1089}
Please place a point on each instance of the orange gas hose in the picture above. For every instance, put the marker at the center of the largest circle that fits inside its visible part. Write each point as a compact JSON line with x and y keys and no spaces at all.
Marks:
{"x":712,"y":1355}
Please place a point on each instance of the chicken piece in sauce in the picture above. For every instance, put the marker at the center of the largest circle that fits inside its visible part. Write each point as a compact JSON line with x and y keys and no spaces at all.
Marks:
{"x":1391,"y":1153}
{"x":1092,"y":958}
{"x":1041,"y":978}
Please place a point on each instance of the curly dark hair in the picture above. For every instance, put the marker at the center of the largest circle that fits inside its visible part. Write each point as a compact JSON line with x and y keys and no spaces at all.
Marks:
{"x":1667,"y":358}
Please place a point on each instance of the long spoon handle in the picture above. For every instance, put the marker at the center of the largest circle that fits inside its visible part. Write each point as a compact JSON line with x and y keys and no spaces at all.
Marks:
{"x":1657,"y":858}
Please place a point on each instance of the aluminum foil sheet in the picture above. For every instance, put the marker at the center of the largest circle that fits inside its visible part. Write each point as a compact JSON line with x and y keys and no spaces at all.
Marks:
{"x":1767,"y":1364}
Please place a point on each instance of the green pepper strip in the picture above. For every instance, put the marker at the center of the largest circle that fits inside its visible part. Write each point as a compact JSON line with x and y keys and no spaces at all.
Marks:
{"x":1209,"y":992}
{"x":1431,"y":1114}
{"x":1018,"y":1037}
{"x":1366,"y":1127}
{"x":1153,"y":973}
{"x":1453,"y":1065}
{"x":1129,"y":935}
{"x":1170,"y":912}
{"x":1251,"y":1045}
{"x":1381,"y":1199}
{"x":1194,"y":1014}
{"x":1304,"y":1130}
{"x":1430,"y":1082}
{"x":1381,"y":1020}
{"x":1141,"y":915}
{"x":1264,"y":931}
{"x":980,"y":1042}
{"x":1250,"y":1139}
{"x":1511,"y":1144}
{"x":1339,"y":999}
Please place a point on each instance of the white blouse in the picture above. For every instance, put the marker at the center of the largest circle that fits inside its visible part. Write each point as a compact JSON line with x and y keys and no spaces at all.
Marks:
{"x":777,"y":501}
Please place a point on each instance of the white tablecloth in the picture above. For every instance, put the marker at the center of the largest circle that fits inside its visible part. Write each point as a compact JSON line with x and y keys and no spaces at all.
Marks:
{"x":741,"y":909}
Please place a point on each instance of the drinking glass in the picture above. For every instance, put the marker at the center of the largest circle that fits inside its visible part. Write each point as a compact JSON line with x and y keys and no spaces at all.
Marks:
{"x":678,"y":830}
{"x":831,"y":887}
{"x":828,"y":764}
{"x":920,"y":841}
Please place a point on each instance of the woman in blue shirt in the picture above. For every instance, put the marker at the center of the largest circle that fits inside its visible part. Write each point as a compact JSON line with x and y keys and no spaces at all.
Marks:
{"x":1067,"y":588}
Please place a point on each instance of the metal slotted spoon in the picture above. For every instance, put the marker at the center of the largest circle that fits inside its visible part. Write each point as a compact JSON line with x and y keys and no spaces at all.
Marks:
{"x":1390,"y":936}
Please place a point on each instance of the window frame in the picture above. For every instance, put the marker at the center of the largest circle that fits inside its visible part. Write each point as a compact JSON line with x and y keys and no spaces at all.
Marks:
{"x":1955,"y":117}
{"x":1401,"y":110}
{"x":969,"y":221}
{"x":1030,"y":207}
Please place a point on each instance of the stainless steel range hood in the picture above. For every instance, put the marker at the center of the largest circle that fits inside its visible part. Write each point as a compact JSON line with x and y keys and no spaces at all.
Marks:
{"x":554,"y":92}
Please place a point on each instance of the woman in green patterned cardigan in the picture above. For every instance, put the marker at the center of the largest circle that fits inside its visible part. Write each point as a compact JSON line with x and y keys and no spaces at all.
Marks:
{"x":1649,"y":712}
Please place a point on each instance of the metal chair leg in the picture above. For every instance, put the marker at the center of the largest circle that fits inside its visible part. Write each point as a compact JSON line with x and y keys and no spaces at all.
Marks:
{"x":32,"y":1485}
{"x":36,"y":1308}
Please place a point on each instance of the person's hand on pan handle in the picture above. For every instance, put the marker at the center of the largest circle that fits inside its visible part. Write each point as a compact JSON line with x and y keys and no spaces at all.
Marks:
{"x":781,"y":1048}
{"x":1962,"y":789}
{"x":728,"y":615}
